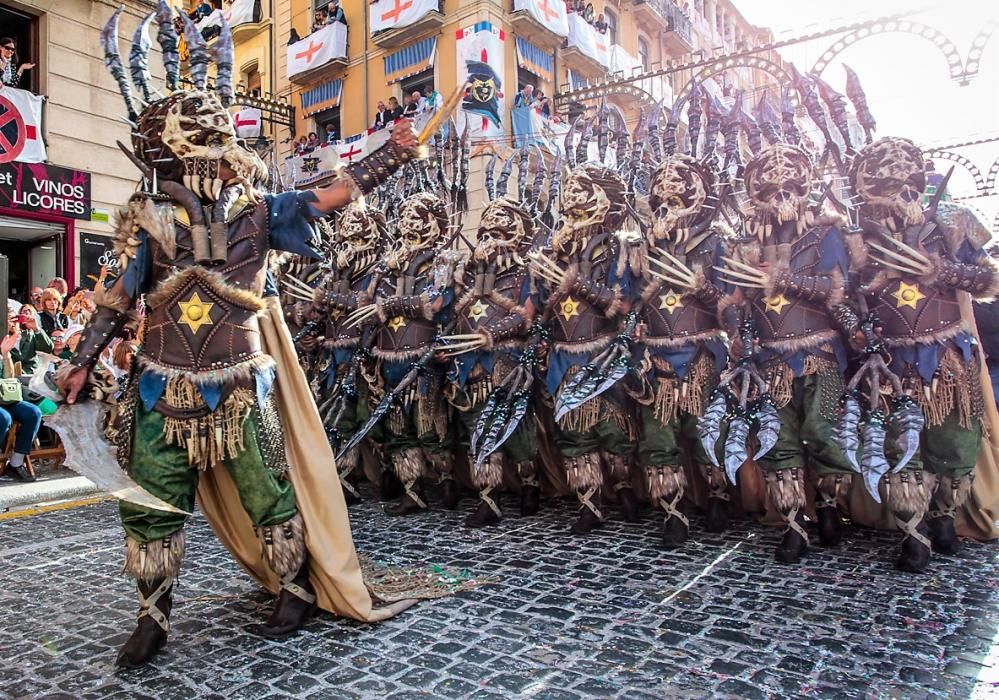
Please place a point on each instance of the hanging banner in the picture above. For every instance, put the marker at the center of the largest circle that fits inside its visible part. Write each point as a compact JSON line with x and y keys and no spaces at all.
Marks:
{"x":318,"y":49}
{"x":247,"y":122}
{"x":550,"y":13}
{"x":21,"y":126}
{"x":588,"y":40}
{"x":392,"y":14}
{"x":480,"y":51}
{"x":239,"y":12}
{"x":45,"y":189}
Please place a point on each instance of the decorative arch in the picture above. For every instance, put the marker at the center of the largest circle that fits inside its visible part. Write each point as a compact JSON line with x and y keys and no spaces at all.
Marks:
{"x":981,"y":186}
{"x":992,"y":176}
{"x":772,"y":68}
{"x":974,"y":59}
{"x":598,"y":90}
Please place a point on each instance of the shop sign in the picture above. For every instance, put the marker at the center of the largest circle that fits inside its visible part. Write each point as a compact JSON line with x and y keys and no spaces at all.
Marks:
{"x":45,"y":189}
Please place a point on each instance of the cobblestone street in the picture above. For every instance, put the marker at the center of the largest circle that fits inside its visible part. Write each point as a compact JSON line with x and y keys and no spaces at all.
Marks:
{"x":606,"y":616}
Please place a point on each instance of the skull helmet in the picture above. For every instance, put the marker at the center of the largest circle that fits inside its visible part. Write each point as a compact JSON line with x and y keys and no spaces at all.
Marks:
{"x":889,"y":176}
{"x":504,"y":228}
{"x":680,"y":189}
{"x":422,"y":223}
{"x":360,"y":236}
{"x":592,"y":202}
{"x":778,"y":185}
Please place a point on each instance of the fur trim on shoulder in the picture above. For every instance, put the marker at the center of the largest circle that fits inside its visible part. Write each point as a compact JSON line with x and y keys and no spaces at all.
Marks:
{"x":111,"y":298}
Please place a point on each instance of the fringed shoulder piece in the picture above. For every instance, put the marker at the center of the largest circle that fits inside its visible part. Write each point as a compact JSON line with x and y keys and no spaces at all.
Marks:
{"x":960,"y":223}
{"x":140,"y":215}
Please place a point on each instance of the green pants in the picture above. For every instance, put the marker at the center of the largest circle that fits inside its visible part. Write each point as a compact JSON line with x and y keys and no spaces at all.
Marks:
{"x":163,"y":470}
{"x":671,"y":444}
{"x":395,"y":438}
{"x":805,"y":434}
{"x":947,"y":449}
{"x":607,"y":434}
{"x":522,"y":446}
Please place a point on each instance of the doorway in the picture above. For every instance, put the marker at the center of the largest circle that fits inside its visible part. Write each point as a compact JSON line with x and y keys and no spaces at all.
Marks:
{"x":35,"y":253}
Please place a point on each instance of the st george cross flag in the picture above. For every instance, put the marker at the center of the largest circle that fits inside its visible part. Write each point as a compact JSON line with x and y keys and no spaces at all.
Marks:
{"x":21,"y":127}
{"x":240,"y":12}
{"x":247,"y":122}
{"x":588,"y":40}
{"x":550,"y":13}
{"x":392,"y":14}
{"x":318,"y":48}
{"x":481,"y":62}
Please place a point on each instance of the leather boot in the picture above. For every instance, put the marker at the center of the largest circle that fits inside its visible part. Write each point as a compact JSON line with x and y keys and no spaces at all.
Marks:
{"x":153,"y":625}
{"x":488,"y":513}
{"x":716,"y":515}
{"x":675,"y":532}
{"x":295,"y":604}
{"x":915,"y":555}
{"x":392,"y":487}
{"x":411,"y":501}
{"x":530,"y":500}
{"x":830,"y":525}
{"x":628,"y":503}
{"x":943,"y":536}
{"x":588,"y":519}
{"x":450,"y":493}
{"x":791,"y":548}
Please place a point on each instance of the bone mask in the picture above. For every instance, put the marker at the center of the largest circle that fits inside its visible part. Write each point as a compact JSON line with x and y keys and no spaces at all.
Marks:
{"x":778,"y":184}
{"x":889,"y":176}
{"x":502,"y":230}
{"x":592,"y":200}
{"x":360,"y":236}
{"x":679,"y":189}
{"x":422,"y":222}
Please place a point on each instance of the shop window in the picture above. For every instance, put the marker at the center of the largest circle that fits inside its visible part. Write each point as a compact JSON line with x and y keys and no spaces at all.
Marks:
{"x":22,"y":28}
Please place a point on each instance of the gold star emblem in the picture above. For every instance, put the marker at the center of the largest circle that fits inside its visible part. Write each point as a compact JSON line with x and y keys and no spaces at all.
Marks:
{"x":477,"y":310}
{"x":908,"y":295}
{"x":569,"y":308}
{"x":194,"y":313}
{"x":397,"y":322}
{"x":670,"y":301}
{"x":776,"y":303}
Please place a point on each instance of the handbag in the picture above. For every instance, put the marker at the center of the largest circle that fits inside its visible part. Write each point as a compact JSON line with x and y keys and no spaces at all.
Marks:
{"x":10,"y":390}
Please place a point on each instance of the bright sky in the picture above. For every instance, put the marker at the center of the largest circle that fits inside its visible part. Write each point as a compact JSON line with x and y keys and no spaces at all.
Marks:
{"x":906,"y":77}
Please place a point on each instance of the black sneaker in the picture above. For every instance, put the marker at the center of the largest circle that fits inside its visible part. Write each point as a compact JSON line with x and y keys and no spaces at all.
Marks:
{"x":20,"y":473}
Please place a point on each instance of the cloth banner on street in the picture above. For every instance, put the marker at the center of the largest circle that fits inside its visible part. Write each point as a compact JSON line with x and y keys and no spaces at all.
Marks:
{"x":240,"y":12}
{"x":247,"y":122}
{"x":480,"y":61}
{"x":392,"y":14}
{"x":318,"y":49}
{"x":588,"y":40}
{"x":21,"y":126}
{"x":550,"y":13}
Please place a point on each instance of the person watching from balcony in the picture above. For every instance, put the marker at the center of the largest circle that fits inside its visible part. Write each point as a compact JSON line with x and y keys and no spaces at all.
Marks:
{"x":382,"y":116}
{"x":319,"y":20}
{"x":11,"y":73}
{"x":395,"y":109}
{"x":301,"y":145}
{"x":331,"y":135}
{"x":313,"y":142}
{"x":201,"y":11}
{"x":435,"y":100}
{"x":420,"y":100}
{"x":601,"y":24}
{"x":293,"y":37}
{"x":525,"y":98}
{"x":589,"y":13}
{"x":409,"y":108}
{"x":334,"y":13}
{"x":542,"y":104}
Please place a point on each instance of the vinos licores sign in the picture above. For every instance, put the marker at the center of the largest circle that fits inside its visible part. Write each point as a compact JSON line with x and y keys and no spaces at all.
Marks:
{"x":45,"y":189}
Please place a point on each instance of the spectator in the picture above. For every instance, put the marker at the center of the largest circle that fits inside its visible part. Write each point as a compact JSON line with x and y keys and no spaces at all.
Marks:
{"x":542,"y":104}
{"x":28,"y":416}
{"x":601,"y":24}
{"x":319,"y":20}
{"x":313,"y":142}
{"x":32,"y":340}
{"x":60,"y":285}
{"x":52,"y":316}
{"x":525,"y":98}
{"x":293,"y":38}
{"x":331,"y":134}
{"x":202,"y":11}
{"x":435,"y":100}
{"x":334,"y":13}
{"x":35,"y":298}
{"x":395,"y":109}
{"x":409,"y":110}
{"x":80,"y":305}
{"x":382,"y":116}
{"x":301,"y":145}
{"x":589,"y":13}
{"x":59,"y":348}
{"x":11,"y":72}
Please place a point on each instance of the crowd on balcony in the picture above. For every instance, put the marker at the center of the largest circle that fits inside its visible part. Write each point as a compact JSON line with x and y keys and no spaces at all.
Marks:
{"x":534,"y":99}
{"x":11,"y":69}
{"x":331,"y":14}
{"x":588,"y":13}
{"x":413,"y":105}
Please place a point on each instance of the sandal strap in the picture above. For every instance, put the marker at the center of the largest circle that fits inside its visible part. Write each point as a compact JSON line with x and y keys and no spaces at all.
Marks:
{"x":148,"y":607}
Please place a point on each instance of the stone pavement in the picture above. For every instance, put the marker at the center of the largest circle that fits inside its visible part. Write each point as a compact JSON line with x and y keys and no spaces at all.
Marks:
{"x":605,"y":616}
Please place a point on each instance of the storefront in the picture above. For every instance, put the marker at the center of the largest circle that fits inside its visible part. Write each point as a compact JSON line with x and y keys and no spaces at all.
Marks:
{"x":41,"y":208}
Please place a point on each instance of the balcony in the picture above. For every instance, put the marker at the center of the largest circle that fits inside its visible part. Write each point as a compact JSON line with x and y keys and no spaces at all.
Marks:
{"x":322,"y":54}
{"x":431,"y":22}
{"x":586,"y":51}
{"x":544,"y":22}
{"x":666,"y":15}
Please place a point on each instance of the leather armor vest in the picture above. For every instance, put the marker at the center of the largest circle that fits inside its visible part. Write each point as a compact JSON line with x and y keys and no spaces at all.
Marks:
{"x":672,"y":316}
{"x":910,"y":310}
{"x":576,"y":322}
{"x":402,"y":337}
{"x":204,"y":318}
{"x":343,"y":282}
{"x":483,"y":304}
{"x":785,"y":318}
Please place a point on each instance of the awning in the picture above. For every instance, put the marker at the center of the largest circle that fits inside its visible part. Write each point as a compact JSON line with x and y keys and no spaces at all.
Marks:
{"x":410,"y":60}
{"x":534,"y":59}
{"x":326,"y":96}
{"x":577,"y":81}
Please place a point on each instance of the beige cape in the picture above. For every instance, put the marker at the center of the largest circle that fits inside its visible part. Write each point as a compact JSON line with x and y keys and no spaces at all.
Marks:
{"x":335,"y":572}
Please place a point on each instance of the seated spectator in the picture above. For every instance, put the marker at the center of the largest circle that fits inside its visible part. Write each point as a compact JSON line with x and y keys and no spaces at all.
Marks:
{"x":395,"y":109}
{"x":59,"y":348}
{"x":60,"y":285}
{"x":334,"y":13}
{"x":331,"y":134}
{"x":35,"y":298}
{"x":11,"y":72}
{"x":382,"y":116}
{"x":601,"y":24}
{"x":27,"y":414}
{"x":293,"y":37}
{"x":52,"y":316}
{"x":32,"y":340}
{"x":525,"y":98}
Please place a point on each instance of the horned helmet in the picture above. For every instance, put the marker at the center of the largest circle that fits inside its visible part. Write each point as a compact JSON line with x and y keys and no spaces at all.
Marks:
{"x":504,"y":229}
{"x":360,"y":235}
{"x":779,"y":184}
{"x":592,"y":201}
{"x":422,"y":223}
{"x":889,"y":176}
{"x":681,"y":187}
{"x":187,"y":136}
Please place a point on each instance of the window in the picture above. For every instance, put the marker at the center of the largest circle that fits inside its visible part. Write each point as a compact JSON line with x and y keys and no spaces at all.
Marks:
{"x":325,"y":118}
{"x":421,"y":82}
{"x":611,"y":19}
{"x":643,"y":53}
{"x":251,"y":80}
{"x":22,"y":28}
